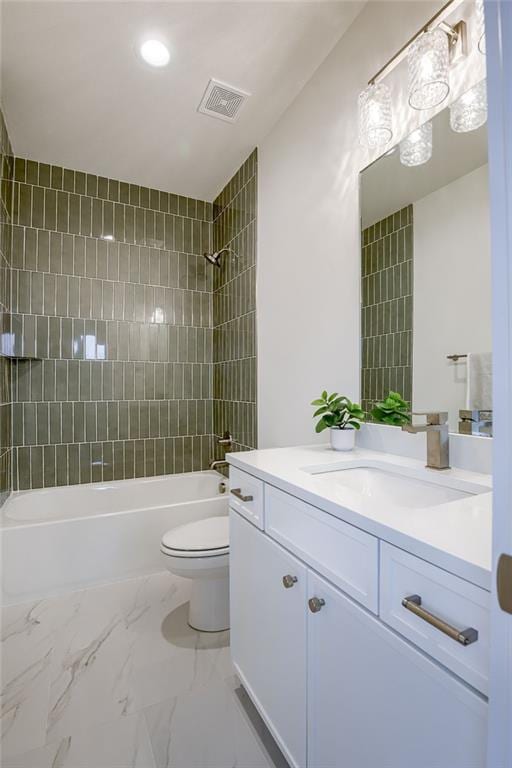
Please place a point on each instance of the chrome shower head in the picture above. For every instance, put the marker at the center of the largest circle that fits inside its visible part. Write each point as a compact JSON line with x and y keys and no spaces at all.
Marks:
{"x":214,"y":258}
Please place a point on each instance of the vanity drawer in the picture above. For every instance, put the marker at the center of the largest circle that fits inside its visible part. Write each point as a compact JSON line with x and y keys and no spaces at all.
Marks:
{"x":459,"y":604}
{"x":345,"y":555}
{"x":246,"y":496}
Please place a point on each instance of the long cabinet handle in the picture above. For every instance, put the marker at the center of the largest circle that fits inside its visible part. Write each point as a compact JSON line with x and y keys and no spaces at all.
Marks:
{"x":462,"y":636}
{"x":238,"y":493}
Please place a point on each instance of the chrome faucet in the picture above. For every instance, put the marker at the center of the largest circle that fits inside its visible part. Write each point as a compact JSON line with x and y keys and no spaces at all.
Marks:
{"x":218,"y":463}
{"x":226,"y":441}
{"x":438,"y":442}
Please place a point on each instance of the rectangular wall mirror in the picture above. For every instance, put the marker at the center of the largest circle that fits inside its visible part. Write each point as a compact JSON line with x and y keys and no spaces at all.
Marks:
{"x":426,"y":279}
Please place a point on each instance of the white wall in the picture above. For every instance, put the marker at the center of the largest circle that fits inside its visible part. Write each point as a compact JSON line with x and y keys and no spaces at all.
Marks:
{"x":308,"y":224}
{"x":452,"y":290}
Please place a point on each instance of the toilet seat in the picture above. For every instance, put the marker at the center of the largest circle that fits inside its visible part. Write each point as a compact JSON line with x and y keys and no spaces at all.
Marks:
{"x":202,"y":539}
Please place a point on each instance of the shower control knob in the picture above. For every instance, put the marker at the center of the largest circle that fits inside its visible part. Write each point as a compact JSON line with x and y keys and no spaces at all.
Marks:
{"x":289,"y":581}
{"x":315,"y":604}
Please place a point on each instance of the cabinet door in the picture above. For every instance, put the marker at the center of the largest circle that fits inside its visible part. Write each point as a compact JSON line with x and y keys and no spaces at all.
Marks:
{"x":268,"y":632}
{"x":374,"y":700}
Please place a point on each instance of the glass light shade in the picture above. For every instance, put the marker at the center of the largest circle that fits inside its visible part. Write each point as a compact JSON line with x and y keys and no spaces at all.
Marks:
{"x":375,"y":116}
{"x":480,"y":25}
{"x":416,"y":149}
{"x":469,"y":112}
{"x":428,"y":62}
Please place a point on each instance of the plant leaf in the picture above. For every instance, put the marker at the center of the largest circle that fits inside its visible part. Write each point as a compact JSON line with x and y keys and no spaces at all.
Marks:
{"x":321,"y":426}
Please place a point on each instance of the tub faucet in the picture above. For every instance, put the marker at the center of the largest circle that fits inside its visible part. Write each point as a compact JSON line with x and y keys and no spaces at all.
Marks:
{"x":218,"y":463}
{"x":226,"y":440}
{"x":438,"y":442}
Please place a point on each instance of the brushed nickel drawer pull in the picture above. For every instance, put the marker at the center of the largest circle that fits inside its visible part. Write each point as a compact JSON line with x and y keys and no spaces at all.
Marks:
{"x":289,"y":581}
{"x":238,"y":493}
{"x":462,"y":636}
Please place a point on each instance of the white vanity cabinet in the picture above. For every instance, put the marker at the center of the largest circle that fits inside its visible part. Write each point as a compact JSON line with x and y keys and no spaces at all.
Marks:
{"x":268,"y":632}
{"x":374,"y":700}
{"x":336,"y":685}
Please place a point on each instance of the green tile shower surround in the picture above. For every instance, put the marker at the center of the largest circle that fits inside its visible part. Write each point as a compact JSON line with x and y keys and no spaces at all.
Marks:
{"x":387,"y":307}
{"x":111,"y":294}
{"x":234,"y":308}
{"x":6,"y":171}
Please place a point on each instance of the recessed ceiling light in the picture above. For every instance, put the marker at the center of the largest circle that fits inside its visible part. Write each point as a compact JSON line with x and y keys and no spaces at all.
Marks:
{"x":155,"y":53}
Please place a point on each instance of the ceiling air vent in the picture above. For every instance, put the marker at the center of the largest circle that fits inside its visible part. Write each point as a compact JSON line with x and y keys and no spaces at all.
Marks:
{"x":222,"y":101}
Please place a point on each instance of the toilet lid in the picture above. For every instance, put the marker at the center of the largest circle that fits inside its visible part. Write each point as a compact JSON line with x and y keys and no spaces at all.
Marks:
{"x":203,"y":535}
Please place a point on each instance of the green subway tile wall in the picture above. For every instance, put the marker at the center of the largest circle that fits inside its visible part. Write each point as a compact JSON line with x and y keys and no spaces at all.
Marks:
{"x":387,"y":308}
{"x":112,"y":295}
{"x":234,"y":308}
{"x":6,"y":172}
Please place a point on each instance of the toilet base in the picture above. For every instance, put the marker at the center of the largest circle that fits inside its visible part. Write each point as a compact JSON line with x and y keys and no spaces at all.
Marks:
{"x":209,"y":604}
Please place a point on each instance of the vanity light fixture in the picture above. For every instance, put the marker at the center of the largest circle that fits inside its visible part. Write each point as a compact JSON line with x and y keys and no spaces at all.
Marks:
{"x":430,"y":52}
{"x":375,"y":116}
{"x":469,"y":112}
{"x":416,"y":149}
{"x":428,"y":61}
{"x":155,"y":53}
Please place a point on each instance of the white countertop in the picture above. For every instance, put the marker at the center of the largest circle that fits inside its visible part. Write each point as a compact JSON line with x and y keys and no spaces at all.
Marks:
{"x":455,"y":536}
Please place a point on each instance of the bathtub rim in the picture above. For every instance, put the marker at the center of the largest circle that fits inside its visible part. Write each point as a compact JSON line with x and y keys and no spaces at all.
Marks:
{"x":8,"y":524}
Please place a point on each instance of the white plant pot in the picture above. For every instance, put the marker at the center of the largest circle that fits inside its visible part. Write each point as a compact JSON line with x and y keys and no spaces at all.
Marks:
{"x":343,"y":439}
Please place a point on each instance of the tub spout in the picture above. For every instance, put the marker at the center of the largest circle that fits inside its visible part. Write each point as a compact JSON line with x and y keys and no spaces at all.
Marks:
{"x":218,"y":463}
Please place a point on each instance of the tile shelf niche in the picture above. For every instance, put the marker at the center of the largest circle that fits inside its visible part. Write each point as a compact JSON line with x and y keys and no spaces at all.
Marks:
{"x":19,"y":357}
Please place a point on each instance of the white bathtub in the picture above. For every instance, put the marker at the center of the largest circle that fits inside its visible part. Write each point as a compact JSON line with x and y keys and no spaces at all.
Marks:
{"x":57,"y":539}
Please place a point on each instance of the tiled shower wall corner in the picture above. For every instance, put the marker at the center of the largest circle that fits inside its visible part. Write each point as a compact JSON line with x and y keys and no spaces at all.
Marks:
{"x":234,"y":308}
{"x":387,"y":309}
{"x":6,"y":168}
{"x":112,"y":295}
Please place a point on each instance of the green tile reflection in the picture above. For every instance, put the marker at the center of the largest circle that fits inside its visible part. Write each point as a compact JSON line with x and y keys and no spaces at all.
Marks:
{"x":386,"y":307}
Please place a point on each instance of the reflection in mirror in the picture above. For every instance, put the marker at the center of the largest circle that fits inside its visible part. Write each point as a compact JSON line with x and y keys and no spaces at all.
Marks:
{"x":426,"y":279}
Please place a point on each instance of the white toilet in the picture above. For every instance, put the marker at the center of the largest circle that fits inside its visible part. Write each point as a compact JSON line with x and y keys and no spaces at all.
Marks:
{"x":200,"y":551}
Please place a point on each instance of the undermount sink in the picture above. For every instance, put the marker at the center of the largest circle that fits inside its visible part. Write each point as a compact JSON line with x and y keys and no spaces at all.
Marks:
{"x":398,"y":486}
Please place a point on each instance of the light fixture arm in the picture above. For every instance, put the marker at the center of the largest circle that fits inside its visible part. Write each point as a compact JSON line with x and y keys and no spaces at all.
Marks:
{"x":456,"y":34}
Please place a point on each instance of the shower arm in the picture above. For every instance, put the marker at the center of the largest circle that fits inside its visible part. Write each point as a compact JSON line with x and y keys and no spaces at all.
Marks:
{"x":214,"y":258}
{"x":227,"y":250}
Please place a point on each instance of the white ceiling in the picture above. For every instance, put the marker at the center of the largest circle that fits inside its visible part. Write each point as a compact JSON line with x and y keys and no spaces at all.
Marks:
{"x":75,"y":92}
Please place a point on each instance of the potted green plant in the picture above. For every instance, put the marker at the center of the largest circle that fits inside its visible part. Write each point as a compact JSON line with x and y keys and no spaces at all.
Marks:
{"x":341,"y":417}
{"x":393,"y":410}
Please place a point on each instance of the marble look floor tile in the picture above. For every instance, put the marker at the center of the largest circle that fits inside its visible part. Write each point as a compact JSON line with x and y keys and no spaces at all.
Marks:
{"x":78,"y":669}
{"x":208,"y":728}
{"x":123,"y":743}
{"x":28,"y":638}
{"x":155,"y":599}
{"x":192,"y":661}
{"x":25,"y":708}
{"x":91,"y":663}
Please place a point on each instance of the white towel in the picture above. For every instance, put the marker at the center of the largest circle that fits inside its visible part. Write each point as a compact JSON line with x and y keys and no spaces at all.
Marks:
{"x":479,"y":383}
